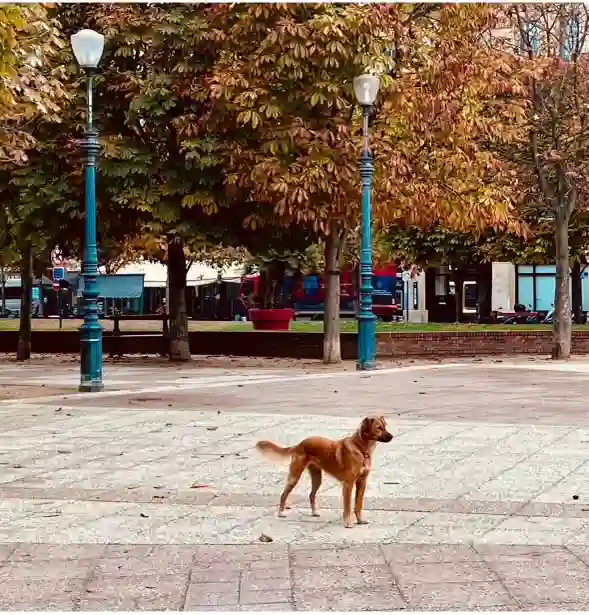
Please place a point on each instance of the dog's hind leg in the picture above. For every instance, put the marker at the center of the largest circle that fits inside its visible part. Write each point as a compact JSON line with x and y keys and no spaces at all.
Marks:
{"x":297,"y":467}
{"x":316,"y":477}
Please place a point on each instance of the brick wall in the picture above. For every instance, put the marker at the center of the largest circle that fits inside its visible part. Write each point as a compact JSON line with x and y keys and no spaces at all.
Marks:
{"x":310,"y":345}
{"x":462,"y":344}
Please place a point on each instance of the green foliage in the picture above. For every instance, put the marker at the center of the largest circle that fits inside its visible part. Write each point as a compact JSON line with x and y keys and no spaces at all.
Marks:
{"x":159,"y":168}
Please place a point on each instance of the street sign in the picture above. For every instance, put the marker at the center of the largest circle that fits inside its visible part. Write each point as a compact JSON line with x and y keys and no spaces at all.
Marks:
{"x":58,"y":273}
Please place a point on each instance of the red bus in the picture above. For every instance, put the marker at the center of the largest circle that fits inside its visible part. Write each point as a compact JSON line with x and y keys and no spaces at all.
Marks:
{"x":308,"y":296}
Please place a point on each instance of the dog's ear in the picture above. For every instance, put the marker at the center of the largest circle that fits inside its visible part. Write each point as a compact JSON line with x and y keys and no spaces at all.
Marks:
{"x":366,"y":426}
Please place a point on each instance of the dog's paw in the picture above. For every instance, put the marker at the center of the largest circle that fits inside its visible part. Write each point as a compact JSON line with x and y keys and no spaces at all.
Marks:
{"x":362,"y":522}
{"x":349,"y":524}
{"x":315,"y":514}
{"x":281,"y":514}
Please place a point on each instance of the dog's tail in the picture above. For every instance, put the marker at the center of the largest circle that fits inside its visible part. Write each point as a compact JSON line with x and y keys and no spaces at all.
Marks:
{"x":273,"y":451}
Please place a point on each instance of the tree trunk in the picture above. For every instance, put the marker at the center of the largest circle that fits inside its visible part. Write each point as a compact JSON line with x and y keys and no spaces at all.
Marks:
{"x":179,"y":349}
{"x":562,"y":328}
{"x":3,"y":282}
{"x":576,"y":292}
{"x":331,"y":333}
{"x":458,"y":292}
{"x":23,"y":351}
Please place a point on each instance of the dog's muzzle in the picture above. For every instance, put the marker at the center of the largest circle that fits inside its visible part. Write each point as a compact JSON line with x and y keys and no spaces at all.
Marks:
{"x":386,"y":437}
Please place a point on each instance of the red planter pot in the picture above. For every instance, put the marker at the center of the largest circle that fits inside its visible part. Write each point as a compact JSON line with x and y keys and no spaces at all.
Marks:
{"x":271,"y":320}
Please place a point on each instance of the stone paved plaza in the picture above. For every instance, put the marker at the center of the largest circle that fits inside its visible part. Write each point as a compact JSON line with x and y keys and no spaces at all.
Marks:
{"x":150,"y":496}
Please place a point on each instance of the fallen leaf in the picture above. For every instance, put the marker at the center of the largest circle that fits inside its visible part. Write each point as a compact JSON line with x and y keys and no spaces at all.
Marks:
{"x":197,"y":486}
{"x":212,"y":428}
{"x":63,"y":451}
{"x":391,"y":483}
{"x":169,"y":424}
{"x":143,"y":515}
{"x":264,"y":538}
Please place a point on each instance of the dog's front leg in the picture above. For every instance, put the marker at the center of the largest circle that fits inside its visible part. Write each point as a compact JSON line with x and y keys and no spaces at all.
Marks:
{"x":359,"y":503}
{"x":348,"y":488}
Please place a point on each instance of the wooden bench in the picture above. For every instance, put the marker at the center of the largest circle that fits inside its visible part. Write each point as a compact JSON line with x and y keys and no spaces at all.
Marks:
{"x":117,"y":333}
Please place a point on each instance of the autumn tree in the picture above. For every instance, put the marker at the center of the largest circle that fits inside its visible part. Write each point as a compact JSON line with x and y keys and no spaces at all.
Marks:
{"x":159,"y":166}
{"x":286,"y":75}
{"x":549,"y":43}
{"x":31,"y":99}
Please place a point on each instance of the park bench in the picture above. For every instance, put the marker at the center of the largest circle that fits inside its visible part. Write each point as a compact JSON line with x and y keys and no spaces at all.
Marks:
{"x":117,"y":333}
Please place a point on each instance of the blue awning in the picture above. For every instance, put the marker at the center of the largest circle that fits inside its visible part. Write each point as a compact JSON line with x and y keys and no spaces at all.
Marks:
{"x":123,"y":286}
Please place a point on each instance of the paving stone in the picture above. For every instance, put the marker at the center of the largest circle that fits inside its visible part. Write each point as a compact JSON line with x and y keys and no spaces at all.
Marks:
{"x":271,"y":606}
{"x":407,"y":553}
{"x":250,"y":584}
{"x":33,"y":594}
{"x":233,"y":554}
{"x":556,"y":588}
{"x":556,"y":606}
{"x":234,"y":608}
{"x":539,"y":567}
{"x":492,"y":552}
{"x":461,"y":596}
{"x":211,"y":594}
{"x":383,"y":599}
{"x":216,"y":573}
{"x":160,"y":561}
{"x":356,"y":555}
{"x":449,"y":572}
{"x":265,"y":596}
{"x":267,"y":569}
{"x":6,"y":551}
{"x":46,"y":569}
{"x":361,"y":576}
{"x":141,"y":593}
{"x":56,"y":552}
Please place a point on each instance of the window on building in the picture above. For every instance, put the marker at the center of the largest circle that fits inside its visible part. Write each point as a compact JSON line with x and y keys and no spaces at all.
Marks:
{"x":572,"y":39}
{"x":530,"y":39}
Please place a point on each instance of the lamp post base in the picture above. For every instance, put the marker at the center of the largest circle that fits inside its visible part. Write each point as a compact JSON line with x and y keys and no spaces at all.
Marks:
{"x":91,"y":387}
{"x":91,"y":358}
{"x":366,"y":343}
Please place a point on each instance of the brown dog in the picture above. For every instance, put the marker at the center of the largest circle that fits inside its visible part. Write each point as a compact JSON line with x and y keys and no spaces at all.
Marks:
{"x":348,"y":460}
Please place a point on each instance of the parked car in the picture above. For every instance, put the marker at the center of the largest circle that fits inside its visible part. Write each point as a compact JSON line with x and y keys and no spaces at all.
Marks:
{"x":13,"y":309}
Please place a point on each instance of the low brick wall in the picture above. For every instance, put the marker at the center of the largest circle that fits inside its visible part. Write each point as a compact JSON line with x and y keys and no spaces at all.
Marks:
{"x":468,"y":344}
{"x":310,"y":345}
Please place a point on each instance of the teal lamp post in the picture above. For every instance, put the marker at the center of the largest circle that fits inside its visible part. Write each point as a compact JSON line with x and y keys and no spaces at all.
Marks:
{"x":88,"y":46}
{"x":366,"y":89}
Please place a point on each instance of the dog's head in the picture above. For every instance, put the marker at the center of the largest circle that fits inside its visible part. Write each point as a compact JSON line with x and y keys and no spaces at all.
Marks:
{"x":374,"y":428}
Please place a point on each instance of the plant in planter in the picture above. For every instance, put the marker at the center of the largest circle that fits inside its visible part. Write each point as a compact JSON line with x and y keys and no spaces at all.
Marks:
{"x":272,"y":309}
